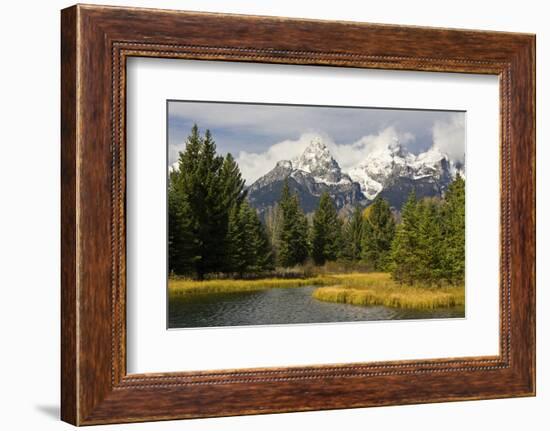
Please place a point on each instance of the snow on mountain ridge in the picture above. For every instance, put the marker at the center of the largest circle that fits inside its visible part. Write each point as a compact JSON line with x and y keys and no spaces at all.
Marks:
{"x":309,"y":176}
{"x":385,"y":164}
{"x":388,"y":170}
{"x":382,"y":167}
{"x":317,"y":160}
{"x":315,"y":154}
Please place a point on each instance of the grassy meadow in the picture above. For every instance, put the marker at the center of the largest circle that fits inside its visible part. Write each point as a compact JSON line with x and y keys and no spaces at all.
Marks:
{"x":185,"y":286}
{"x":380,"y":289}
{"x":374,"y":288}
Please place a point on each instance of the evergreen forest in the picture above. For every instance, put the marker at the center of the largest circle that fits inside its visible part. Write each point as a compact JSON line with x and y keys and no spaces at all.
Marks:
{"x":214,"y":232}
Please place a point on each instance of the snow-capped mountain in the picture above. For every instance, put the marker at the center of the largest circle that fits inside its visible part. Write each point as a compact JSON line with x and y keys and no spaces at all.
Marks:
{"x":310,"y":175}
{"x":379,"y":165}
{"x":389,"y":171}
{"x":318,"y":161}
{"x":392,"y":172}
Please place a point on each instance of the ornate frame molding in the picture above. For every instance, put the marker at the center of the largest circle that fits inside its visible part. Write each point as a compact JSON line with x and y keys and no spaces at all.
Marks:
{"x":96,"y":41}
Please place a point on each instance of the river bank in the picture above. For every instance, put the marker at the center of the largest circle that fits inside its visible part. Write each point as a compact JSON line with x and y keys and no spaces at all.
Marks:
{"x":283,"y":307}
{"x":365,"y":289}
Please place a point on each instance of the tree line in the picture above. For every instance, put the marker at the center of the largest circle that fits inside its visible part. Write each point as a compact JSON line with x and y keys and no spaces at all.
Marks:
{"x":212,"y":228}
{"x":426,"y":245}
{"x":429,"y":244}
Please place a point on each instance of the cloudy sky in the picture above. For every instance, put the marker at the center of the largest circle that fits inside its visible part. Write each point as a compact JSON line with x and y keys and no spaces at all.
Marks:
{"x":259,"y":135}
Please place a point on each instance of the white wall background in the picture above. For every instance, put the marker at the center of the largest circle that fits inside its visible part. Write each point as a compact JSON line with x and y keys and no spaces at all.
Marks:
{"x":29,"y":215}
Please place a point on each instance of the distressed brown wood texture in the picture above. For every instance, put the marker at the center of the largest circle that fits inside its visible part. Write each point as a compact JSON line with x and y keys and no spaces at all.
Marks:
{"x":95,"y":42}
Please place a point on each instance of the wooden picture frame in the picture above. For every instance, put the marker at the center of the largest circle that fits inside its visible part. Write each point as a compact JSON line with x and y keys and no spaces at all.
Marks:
{"x":95,"y":43}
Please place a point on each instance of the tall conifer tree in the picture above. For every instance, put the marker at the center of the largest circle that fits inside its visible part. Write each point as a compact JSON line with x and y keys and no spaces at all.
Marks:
{"x":236,"y":243}
{"x":232,"y":193}
{"x":232,"y":182}
{"x":326,"y":232}
{"x":209,"y":208}
{"x":273,"y":222}
{"x":405,"y":259}
{"x":260,"y":256}
{"x":184,"y":244}
{"x":378,"y":233}
{"x":454,"y":231}
{"x":202,"y":190}
{"x":293,"y":232}
{"x":353,"y":236}
{"x":430,"y":242}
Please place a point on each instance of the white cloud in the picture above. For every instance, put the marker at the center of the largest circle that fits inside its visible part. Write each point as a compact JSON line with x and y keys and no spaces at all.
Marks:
{"x":254,"y":165}
{"x":350,"y":155}
{"x":282,"y":121}
{"x":268,"y":119}
{"x":174,"y":152}
{"x":449,"y":136}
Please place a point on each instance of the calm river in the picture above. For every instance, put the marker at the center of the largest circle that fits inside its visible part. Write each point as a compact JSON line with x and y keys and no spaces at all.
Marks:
{"x":281,"y":306}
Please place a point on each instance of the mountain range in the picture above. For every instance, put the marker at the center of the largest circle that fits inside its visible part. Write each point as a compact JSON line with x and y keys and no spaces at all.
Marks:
{"x":389,"y":171}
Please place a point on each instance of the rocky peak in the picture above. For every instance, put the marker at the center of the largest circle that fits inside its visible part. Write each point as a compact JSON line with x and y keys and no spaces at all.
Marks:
{"x":390,"y":164}
{"x":283,"y":169}
{"x":390,"y":160}
{"x":432,"y":162}
{"x":388,"y":170}
{"x":318,"y":161}
{"x":396,"y":149}
{"x":284,"y":165}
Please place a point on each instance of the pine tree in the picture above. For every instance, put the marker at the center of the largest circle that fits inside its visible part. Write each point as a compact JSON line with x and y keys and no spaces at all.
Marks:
{"x":430,"y":242}
{"x":202,"y":191}
{"x":293,"y":233}
{"x":232,"y":182}
{"x":353,"y":236}
{"x":378,"y":234}
{"x":232,"y":193}
{"x":326,"y":232}
{"x":273,"y":222}
{"x":285,"y":254}
{"x":237,"y":254}
{"x":260,"y":254}
{"x":301,"y":230}
{"x":404,"y":257}
{"x":454,"y":223}
{"x":181,"y":231}
{"x":209,"y":208}
{"x":429,"y":245}
{"x":183,"y":241}
{"x":249,"y":250}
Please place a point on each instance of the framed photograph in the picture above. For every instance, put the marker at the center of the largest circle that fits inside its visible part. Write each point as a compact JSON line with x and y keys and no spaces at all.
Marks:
{"x":264,"y":215}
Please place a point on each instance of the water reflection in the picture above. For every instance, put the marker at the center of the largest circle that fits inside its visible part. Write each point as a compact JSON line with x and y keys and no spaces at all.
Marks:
{"x":282,"y":306}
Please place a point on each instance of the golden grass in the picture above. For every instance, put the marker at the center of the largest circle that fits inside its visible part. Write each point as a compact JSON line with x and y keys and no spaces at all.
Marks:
{"x":184,"y":286}
{"x":380,"y":289}
{"x":374,"y":288}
